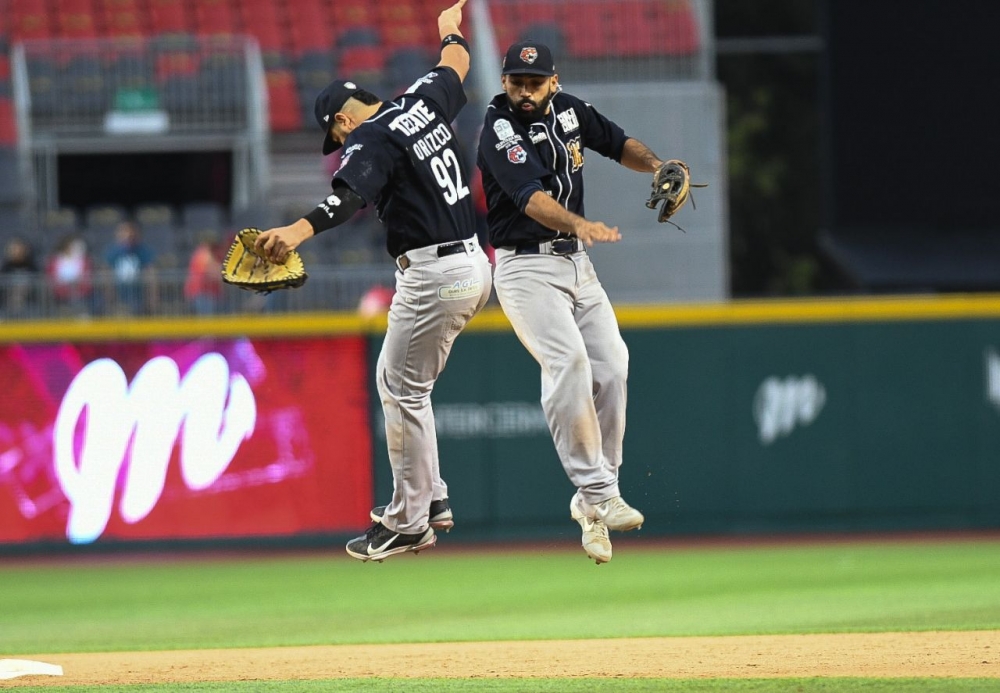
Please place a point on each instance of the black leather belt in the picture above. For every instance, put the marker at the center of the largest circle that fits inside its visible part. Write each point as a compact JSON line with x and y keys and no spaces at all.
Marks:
{"x":560,"y":246}
{"x":443,"y":251}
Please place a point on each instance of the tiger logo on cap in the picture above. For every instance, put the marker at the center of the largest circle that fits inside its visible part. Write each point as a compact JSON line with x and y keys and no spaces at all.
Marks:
{"x":529,"y":55}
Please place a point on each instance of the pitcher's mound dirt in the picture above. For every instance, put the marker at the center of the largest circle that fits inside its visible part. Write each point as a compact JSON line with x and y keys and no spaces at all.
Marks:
{"x":935,"y":654}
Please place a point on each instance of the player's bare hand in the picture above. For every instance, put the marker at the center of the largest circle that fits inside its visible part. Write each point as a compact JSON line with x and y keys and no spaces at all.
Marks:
{"x":591,"y":232}
{"x":452,"y":17}
{"x":276,"y":243}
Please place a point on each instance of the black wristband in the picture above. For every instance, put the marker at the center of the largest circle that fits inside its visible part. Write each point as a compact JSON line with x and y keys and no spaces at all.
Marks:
{"x":452,"y":39}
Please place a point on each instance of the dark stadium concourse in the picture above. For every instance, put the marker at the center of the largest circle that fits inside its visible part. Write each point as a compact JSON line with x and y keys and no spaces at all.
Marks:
{"x":175,"y":178}
{"x":910,"y":147}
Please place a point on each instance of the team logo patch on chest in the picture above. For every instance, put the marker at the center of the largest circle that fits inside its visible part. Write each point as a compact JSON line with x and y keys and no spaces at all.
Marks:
{"x":465,"y":288}
{"x":568,"y":120}
{"x":517,"y":155}
{"x":575,"y":151}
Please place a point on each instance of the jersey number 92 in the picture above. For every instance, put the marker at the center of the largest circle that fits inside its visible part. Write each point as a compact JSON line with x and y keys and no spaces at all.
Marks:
{"x":448,"y":174}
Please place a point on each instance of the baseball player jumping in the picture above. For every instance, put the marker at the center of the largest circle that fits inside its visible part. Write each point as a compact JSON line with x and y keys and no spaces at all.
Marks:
{"x":402,"y":157}
{"x":531,"y":157}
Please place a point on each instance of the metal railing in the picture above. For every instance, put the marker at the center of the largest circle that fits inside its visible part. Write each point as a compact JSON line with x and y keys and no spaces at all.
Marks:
{"x":161,"y":293}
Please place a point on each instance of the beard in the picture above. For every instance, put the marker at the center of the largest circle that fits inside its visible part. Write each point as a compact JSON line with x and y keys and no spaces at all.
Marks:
{"x":536,"y":113}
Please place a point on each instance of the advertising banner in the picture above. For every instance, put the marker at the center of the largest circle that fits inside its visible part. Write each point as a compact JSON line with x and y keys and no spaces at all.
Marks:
{"x":200,"y":439}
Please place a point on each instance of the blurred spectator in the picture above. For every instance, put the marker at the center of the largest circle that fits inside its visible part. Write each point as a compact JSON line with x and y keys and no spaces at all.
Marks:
{"x":376,"y":301}
{"x":18,"y":273}
{"x":203,"y":286}
{"x":70,"y":275}
{"x":131,"y":263}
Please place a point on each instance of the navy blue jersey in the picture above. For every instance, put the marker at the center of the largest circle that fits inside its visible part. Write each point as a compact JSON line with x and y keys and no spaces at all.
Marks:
{"x":518,"y":159}
{"x":405,"y":160}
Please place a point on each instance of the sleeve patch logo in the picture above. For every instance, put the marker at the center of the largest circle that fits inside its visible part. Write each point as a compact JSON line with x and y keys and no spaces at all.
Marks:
{"x":505,"y":132}
{"x":503,"y":129}
{"x":517,"y":155}
{"x":353,"y":148}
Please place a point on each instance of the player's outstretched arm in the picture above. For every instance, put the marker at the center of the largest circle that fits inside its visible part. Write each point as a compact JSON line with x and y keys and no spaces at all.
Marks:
{"x":453,"y":54}
{"x":639,"y":157}
{"x":550,"y":213}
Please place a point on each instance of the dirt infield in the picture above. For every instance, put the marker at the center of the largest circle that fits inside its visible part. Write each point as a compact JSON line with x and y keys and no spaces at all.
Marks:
{"x":932,"y":654}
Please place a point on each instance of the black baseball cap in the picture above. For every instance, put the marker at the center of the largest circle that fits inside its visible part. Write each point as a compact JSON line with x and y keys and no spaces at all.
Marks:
{"x":328,"y":104}
{"x":528,"y":58}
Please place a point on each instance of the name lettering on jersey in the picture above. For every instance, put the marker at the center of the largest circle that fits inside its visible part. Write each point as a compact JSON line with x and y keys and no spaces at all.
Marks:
{"x":517,"y":155}
{"x":353,"y":148}
{"x":432,"y":142}
{"x":330,"y":201}
{"x":575,"y":153}
{"x":506,"y":135}
{"x":538,"y":136}
{"x":463,"y":288}
{"x":414,"y":120}
{"x":568,"y":120}
{"x":426,"y":79}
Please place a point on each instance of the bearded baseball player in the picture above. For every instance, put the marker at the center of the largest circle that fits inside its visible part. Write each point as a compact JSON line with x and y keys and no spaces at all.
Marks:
{"x":402,"y":157}
{"x":531,"y":156}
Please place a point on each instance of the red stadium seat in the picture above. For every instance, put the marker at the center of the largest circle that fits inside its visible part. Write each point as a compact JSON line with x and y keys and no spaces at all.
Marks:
{"x":77,"y":26}
{"x":361,"y":62}
{"x":397,"y":35}
{"x":169,"y":17}
{"x":283,"y":100}
{"x":8,"y":126}
{"x":123,"y":23}
{"x":31,"y":26}
{"x":215,"y":17}
{"x":347,"y":15}
{"x":679,"y":29}
{"x":174,"y":64}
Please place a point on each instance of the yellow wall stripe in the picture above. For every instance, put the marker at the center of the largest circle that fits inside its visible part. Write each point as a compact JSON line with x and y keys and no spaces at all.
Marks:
{"x":779,"y":311}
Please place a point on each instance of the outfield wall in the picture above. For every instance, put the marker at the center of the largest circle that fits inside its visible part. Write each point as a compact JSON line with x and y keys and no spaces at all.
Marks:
{"x":863,"y":415}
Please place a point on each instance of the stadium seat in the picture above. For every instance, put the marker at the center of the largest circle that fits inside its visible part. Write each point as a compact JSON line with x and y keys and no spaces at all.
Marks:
{"x":313,"y":71}
{"x":200,"y":216}
{"x":8,"y":125}
{"x":403,"y":35}
{"x":149,"y":214}
{"x":77,"y":25}
{"x":57,"y":222}
{"x":215,"y":17}
{"x":30,"y":26}
{"x":363,"y":63}
{"x":405,"y":65}
{"x":123,"y":23}
{"x":285,"y":111}
{"x":359,"y":36}
{"x":678,"y":27}
{"x":169,"y":17}
{"x":10,"y":179}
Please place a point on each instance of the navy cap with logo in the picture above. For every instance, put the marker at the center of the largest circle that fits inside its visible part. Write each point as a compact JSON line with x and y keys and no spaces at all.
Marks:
{"x":328,"y":104}
{"x":528,"y":58}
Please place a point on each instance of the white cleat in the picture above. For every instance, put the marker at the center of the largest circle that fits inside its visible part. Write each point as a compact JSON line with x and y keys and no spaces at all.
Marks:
{"x":596,"y":542}
{"x":618,"y":515}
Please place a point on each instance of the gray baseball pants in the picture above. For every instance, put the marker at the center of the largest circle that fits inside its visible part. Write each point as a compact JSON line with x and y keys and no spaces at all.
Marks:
{"x":562,"y":315}
{"x":435,"y":299}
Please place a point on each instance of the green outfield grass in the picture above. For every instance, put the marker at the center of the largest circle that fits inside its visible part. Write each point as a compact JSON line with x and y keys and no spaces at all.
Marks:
{"x":451,"y":594}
